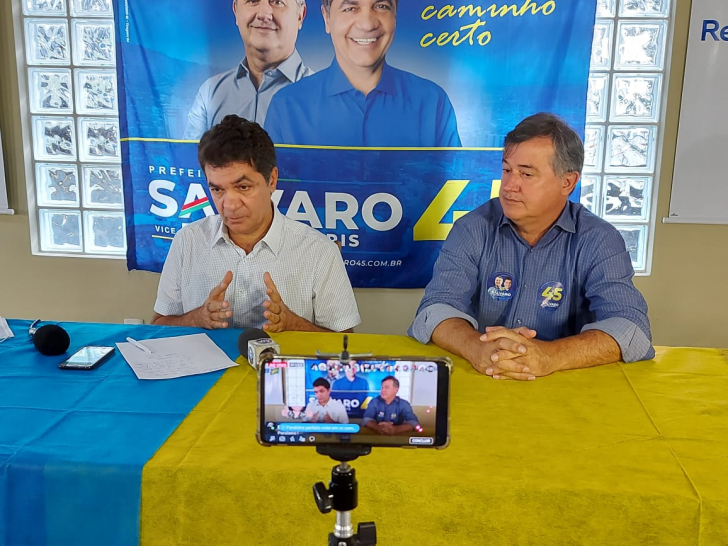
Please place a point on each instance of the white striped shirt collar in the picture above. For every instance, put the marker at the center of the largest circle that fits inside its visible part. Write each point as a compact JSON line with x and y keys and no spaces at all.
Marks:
{"x":272,"y":239}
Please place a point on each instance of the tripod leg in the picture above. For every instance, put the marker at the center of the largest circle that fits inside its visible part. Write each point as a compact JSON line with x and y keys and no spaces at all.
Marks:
{"x":366,"y":534}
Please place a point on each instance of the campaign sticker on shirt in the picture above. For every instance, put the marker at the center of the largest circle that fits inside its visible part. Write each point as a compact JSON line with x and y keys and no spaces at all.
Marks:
{"x":550,"y":295}
{"x":501,"y":286}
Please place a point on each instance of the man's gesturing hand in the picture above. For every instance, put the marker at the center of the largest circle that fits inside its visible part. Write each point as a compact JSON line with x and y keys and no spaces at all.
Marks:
{"x":280,"y":317}
{"x":216,"y":309}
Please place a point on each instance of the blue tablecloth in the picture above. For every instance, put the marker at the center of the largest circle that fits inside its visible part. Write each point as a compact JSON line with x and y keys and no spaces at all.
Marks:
{"x":73,"y":443}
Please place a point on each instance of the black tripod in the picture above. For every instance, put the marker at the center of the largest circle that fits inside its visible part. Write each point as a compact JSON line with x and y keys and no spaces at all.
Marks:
{"x":342,"y":496}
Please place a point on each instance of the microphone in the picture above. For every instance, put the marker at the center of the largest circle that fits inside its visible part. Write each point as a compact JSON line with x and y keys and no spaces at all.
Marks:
{"x":255,"y":343}
{"x":50,"y":340}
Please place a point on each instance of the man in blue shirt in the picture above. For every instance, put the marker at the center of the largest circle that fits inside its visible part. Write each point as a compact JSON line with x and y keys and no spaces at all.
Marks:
{"x":351,"y":389}
{"x":360,"y":100}
{"x":269,"y":29}
{"x":388,"y":413}
{"x":570,"y":301}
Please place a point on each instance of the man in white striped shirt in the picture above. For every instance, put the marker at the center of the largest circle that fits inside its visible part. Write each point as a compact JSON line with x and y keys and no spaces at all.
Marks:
{"x":250,"y":266}
{"x":323,"y":408}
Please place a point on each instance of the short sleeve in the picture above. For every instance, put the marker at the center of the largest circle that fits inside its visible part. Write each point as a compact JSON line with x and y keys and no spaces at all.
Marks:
{"x":169,"y":291}
{"x":619,"y":308}
{"x":334,"y":304}
{"x":454,"y":283}
{"x":197,"y":118}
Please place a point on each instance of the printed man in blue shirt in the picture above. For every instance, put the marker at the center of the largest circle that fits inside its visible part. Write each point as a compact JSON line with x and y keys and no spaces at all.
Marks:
{"x":571,"y":302}
{"x":269,"y":29}
{"x":360,"y":100}
{"x":388,"y":413}
{"x":351,"y":389}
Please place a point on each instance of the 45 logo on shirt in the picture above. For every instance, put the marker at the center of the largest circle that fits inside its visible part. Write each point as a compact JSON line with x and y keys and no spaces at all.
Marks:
{"x":550,"y":295}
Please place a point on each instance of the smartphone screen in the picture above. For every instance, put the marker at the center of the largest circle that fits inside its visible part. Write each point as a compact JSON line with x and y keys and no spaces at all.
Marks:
{"x":380,"y":401}
{"x":87,"y":358}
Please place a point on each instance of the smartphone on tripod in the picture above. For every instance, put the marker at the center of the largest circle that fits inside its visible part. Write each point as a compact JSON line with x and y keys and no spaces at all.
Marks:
{"x":375,"y":401}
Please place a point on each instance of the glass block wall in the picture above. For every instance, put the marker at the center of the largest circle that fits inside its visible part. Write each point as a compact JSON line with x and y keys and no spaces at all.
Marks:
{"x":70,"y":57}
{"x":73,"y":102}
{"x":623,"y":113}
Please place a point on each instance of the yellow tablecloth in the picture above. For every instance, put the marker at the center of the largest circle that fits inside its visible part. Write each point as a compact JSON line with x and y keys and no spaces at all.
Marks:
{"x":620,"y":454}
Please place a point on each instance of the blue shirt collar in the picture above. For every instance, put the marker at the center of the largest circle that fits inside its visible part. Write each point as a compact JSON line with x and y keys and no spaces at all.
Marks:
{"x":338,"y":82}
{"x":289,"y":68}
{"x":565,"y":220}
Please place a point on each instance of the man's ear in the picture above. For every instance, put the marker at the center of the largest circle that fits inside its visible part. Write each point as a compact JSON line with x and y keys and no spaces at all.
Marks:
{"x":301,"y":16}
{"x":273,"y":181}
{"x":326,"y":19}
{"x":569,"y":182}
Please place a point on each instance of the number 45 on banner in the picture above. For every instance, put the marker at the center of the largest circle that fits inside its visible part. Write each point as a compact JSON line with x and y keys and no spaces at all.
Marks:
{"x":430,"y":227}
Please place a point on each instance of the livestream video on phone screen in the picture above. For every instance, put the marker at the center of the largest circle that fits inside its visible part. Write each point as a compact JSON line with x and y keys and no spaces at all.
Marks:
{"x":371,"y":402}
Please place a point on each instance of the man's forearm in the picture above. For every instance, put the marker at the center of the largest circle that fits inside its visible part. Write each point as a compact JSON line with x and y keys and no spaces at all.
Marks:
{"x":457,"y":336}
{"x":300,"y":324}
{"x":188,"y":319}
{"x":372,"y":425}
{"x":590,"y":348}
{"x":404,"y":427}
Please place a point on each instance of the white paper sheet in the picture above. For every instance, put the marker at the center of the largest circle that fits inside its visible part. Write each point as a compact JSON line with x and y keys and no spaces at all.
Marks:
{"x":178,"y":356}
{"x":5,"y":331}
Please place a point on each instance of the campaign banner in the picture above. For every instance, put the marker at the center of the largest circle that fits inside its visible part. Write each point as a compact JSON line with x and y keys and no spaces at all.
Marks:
{"x":384,"y":173}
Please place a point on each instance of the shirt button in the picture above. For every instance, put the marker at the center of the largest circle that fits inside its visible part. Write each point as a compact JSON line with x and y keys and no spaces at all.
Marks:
{"x":519,"y":321}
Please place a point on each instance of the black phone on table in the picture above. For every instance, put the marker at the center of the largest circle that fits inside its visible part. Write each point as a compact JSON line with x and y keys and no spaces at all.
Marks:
{"x":87,"y":358}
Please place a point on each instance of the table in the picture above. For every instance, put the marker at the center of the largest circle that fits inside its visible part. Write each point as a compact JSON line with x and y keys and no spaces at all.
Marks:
{"x":619,"y":454}
{"x":73,"y":443}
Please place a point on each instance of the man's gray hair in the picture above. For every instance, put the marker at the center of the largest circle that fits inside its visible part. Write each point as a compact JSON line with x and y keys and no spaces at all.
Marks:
{"x":568,"y":148}
{"x":327,"y":5}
